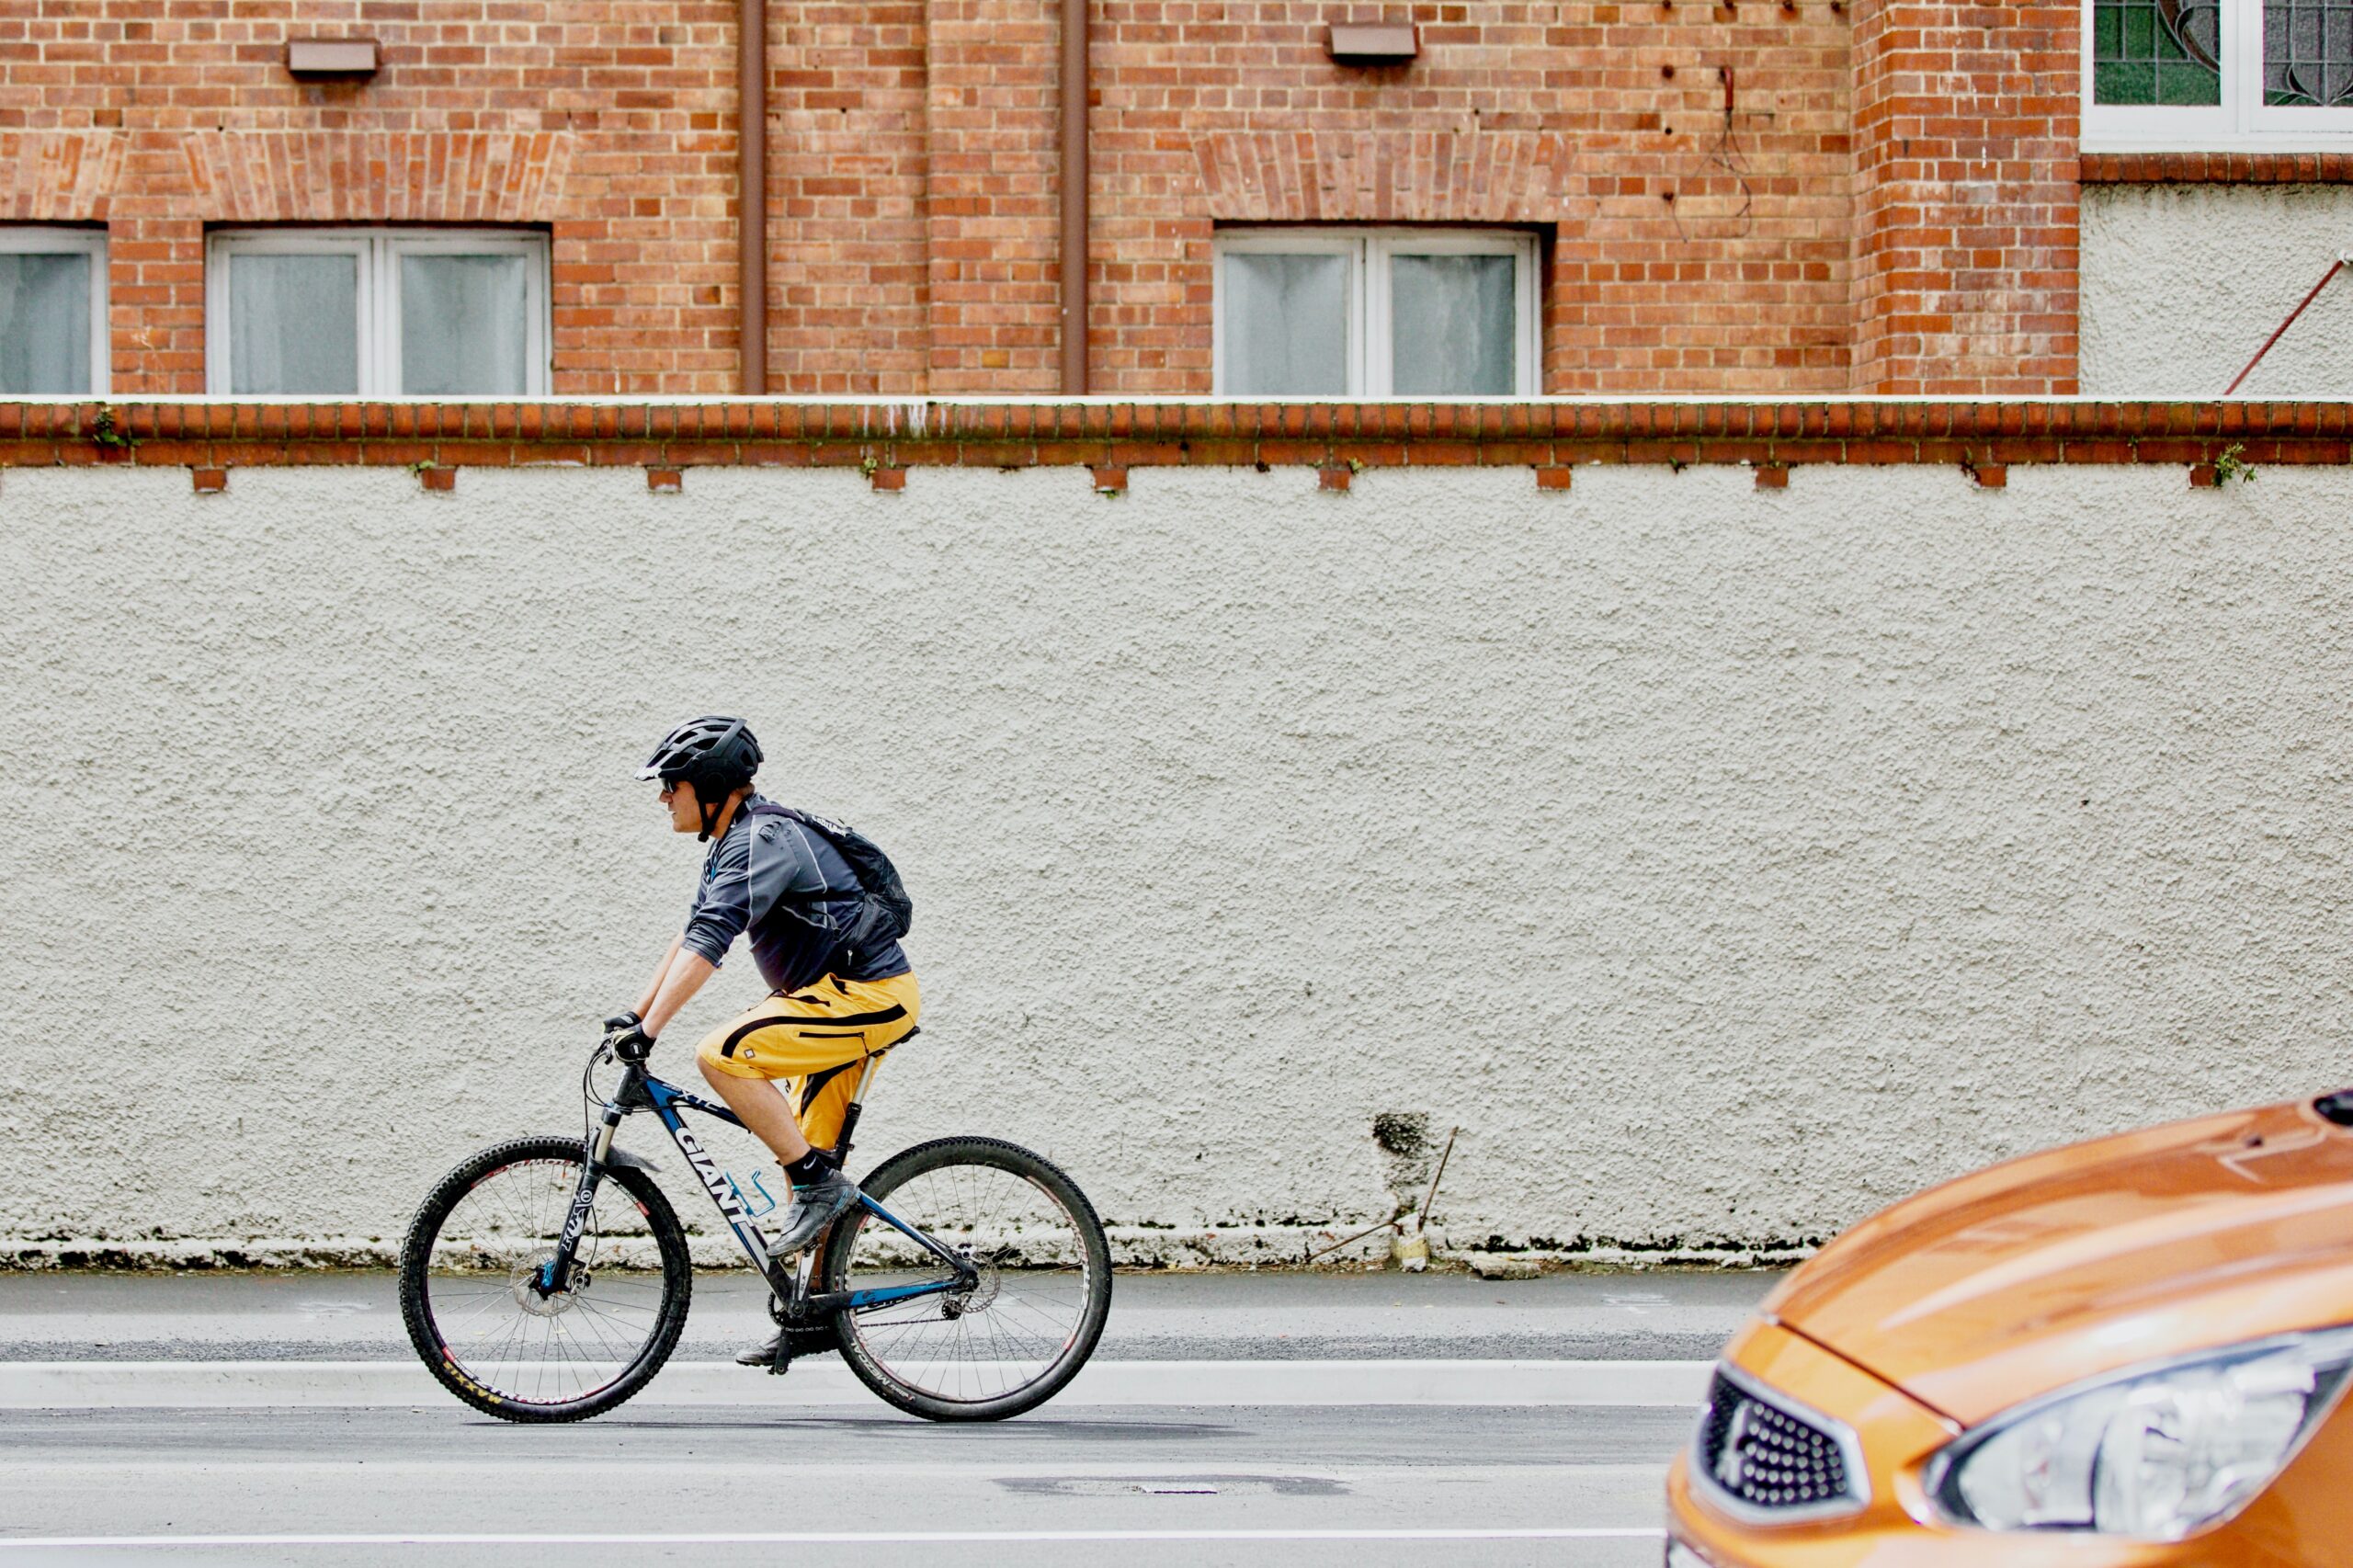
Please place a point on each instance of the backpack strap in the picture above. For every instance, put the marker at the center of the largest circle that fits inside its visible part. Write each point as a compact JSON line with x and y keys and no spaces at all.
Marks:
{"x":817,"y":895}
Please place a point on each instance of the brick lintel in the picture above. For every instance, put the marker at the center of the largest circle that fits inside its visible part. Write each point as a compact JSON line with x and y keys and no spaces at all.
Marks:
{"x":874,"y":436}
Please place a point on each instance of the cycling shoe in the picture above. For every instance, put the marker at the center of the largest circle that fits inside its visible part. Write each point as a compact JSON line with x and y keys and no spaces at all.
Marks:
{"x":814,"y":1208}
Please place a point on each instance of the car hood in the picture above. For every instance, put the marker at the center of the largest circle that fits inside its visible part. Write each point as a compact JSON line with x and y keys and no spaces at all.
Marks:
{"x":2035,"y":1274}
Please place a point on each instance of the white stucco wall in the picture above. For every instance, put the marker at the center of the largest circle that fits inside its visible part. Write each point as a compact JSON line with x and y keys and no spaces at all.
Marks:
{"x":1727,"y":862}
{"x":2181,"y":284}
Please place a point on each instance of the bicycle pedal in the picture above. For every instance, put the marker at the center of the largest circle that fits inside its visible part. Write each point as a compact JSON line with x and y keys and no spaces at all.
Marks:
{"x":781,"y":1364}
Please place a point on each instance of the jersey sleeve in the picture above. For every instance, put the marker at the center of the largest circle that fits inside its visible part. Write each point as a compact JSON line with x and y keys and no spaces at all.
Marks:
{"x":755,"y":867}
{"x":723,"y":906}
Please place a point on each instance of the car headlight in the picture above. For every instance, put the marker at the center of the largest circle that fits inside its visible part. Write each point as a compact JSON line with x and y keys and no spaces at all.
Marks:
{"x":2152,"y":1452}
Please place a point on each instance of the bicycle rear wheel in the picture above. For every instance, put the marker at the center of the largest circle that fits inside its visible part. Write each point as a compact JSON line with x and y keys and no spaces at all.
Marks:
{"x":466,"y":1283}
{"x":1012,"y":1341}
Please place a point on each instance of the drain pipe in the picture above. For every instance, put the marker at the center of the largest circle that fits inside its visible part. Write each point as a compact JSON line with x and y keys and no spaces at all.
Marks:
{"x":752,"y":192}
{"x":1074,"y":193}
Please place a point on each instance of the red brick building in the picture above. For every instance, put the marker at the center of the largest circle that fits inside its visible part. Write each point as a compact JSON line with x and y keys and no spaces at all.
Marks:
{"x":1562,"y":197}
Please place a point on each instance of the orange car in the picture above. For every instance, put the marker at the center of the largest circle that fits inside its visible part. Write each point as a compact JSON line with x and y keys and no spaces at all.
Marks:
{"x":2128,"y":1352}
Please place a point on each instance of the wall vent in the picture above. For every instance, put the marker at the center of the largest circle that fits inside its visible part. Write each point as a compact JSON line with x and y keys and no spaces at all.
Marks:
{"x":1364,"y":44}
{"x":345,"y":57}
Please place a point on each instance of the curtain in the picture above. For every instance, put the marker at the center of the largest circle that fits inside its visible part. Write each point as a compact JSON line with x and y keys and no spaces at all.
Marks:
{"x":293,"y":323}
{"x":1286,"y":324}
{"x":1452,"y":327}
{"x":464,"y":325}
{"x":44,"y":323}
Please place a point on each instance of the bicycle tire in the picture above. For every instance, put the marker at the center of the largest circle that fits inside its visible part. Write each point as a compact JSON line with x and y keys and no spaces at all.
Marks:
{"x":998,"y":1154}
{"x":417,"y":1259}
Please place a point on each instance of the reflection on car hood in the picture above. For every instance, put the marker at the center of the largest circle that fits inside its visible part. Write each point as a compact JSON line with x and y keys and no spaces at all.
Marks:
{"x":2037,"y":1273}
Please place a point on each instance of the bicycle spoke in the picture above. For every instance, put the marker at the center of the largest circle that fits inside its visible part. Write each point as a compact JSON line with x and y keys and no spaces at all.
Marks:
{"x":1014,"y":1327}
{"x":480,"y":1287}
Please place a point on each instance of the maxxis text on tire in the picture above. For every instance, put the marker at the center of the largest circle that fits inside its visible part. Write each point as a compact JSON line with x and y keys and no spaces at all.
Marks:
{"x":1015,"y":1159}
{"x":416,"y":1253}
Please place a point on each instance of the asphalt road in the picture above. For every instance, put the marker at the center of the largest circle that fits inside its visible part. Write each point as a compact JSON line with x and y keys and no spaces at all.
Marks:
{"x":1162,"y":1484}
{"x":1083,"y":1486}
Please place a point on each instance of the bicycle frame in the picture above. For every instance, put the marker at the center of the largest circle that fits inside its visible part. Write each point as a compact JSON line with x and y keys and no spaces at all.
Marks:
{"x":640,"y":1090}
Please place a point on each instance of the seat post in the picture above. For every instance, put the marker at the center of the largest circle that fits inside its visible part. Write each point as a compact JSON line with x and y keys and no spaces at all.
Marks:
{"x":857,"y":1102}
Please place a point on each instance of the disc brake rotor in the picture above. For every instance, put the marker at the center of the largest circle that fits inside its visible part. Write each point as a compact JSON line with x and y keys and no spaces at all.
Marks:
{"x":524,"y":1285}
{"x":984,"y":1290}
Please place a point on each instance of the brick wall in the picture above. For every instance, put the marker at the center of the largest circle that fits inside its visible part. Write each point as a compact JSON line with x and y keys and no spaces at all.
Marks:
{"x":1965,"y":194}
{"x":1799,"y":197}
{"x":612,"y":124}
{"x":847,"y":240}
{"x":1688,"y":161}
{"x":996,"y":222}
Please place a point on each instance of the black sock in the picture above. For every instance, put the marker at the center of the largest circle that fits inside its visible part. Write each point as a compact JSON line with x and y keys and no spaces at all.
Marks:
{"x":812,"y":1166}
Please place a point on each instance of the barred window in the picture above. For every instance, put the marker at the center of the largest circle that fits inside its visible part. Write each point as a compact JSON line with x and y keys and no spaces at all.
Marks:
{"x":2217,"y":73}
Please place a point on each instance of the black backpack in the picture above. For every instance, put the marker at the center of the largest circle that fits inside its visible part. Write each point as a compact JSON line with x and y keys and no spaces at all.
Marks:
{"x":885,"y":913}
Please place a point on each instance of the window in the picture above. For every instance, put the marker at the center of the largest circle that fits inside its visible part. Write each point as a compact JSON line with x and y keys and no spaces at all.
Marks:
{"x":52,"y":311}
{"x":2217,"y":73}
{"x":397,"y":312}
{"x":1374,"y":313}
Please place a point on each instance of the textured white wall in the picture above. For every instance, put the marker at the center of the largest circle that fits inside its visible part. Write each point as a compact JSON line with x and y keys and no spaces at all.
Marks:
{"x":1728,"y":862}
{"x":2181,"y":284}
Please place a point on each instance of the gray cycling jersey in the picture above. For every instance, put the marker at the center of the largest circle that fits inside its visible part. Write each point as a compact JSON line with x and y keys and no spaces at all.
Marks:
{"x":757,"y":878}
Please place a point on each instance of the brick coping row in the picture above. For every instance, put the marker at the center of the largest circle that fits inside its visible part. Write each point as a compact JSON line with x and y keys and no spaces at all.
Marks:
{"x":884,"y":438}
{"x":2214,"y":168}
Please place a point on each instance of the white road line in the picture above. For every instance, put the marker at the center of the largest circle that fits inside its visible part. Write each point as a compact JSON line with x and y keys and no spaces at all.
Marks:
{"x":84,"y":1385}
{"x":818,"y":1537}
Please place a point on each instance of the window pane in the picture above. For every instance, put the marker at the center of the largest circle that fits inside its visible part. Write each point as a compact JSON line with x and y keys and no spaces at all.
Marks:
{"x":2156,"y":52}
{"x":1451,"y":322}
{"x":44,"y":324}
{"x":293,"y":323}
{"x":2308,"y":52}
{"x":1286,"y":324}
{"x":462,"y":324}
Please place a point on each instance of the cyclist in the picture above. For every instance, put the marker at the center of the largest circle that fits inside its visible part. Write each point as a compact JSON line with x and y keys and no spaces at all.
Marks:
{"x":770,"y":875}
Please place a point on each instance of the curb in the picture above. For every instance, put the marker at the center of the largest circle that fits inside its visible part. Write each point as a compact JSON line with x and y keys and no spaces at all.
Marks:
{"x":1269,"y":1248}
{"x":229,"y":1385}
{"x":834,"y":1538}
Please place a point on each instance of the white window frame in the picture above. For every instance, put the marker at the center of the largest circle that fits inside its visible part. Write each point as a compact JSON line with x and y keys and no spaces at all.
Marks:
{"x":51,"y":239}
{"x":378,"y":326}
{"x":1371,"y":371}
{"x":2241,"y":122}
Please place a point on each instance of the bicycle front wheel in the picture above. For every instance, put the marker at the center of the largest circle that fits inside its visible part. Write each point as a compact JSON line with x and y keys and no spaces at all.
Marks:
{"x":468,"y":1283}
{"x":1011,"y":1341}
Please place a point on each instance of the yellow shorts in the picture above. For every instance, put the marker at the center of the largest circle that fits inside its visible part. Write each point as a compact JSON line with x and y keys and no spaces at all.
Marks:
{"x":809,"y":1036}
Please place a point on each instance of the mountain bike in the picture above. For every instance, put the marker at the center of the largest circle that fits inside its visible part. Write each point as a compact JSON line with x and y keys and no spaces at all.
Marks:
{"x":547,"y":1279}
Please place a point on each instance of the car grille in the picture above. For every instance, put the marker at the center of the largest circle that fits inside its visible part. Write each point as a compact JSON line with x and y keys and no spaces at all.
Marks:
{"x":1770,"y":1458}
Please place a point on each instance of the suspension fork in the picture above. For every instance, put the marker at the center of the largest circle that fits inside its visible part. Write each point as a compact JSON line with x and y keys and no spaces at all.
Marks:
{"x":556,"y":1273}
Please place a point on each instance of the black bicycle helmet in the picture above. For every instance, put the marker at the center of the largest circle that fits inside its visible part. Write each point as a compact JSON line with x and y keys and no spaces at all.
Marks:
{"x":715,"y":754}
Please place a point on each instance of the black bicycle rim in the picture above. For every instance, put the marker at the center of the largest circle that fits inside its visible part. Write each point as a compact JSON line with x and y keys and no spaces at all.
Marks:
{"x":1039,"y":1294}
{"x":475,"y":1316}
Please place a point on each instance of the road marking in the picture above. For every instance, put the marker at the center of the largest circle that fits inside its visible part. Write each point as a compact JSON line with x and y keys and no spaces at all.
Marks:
{"x":84,"y":1385}
{"x":818,"y":1537}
